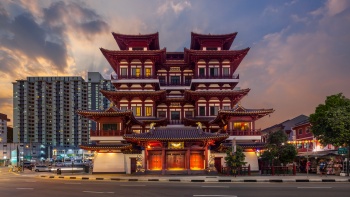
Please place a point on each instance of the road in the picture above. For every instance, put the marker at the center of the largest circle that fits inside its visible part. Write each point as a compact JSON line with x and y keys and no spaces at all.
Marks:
{"x":12,"y":185}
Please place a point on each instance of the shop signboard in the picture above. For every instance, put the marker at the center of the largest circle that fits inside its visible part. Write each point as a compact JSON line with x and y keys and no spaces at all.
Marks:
{"x":342,"y":151}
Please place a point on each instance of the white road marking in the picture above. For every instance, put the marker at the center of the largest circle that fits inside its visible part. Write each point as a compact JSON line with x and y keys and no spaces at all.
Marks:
{"x":24,"y":188}
{"x":133,"y":185}
{"x":216,"y":195}
{"x":94,"y":192}
{"x":314,"y":187}
{"x":217,"y":186}
{"x":72,"y":183}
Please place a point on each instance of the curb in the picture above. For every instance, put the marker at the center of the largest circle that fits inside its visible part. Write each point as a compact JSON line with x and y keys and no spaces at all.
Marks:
{"x":194,"y":180}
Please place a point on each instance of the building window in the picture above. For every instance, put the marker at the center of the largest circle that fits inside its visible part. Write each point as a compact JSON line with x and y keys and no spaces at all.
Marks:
{"x":175,"y":115}
{"x":107,"y":127}
{"x":226,"y":107}
{"x":136,"y":72}
{"x":136,"y":110}
{"x":148,"y":72}
{"x":201,"y":72}
{"x":162,"y":114}
{"x":201,"y":111}
{"x":162,"y":80}
{"x":300,"y":131}
{"x":213,"y":72}
{"x":188,"y":114}
{"x":307,"y":129}
{"x":123,"y":72}
{"x":214,"y":110}
{"x":241,"y":126}
{"x":187,"y":80}
{"x":175,"y":80}
{"x":148,"y":111}
{"x":123,"y":108}
{"x":226,"y":72}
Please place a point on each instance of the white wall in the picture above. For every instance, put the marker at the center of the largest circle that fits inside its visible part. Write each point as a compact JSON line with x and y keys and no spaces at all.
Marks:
{"x":252,"y":159}
{"x":109,"y":162}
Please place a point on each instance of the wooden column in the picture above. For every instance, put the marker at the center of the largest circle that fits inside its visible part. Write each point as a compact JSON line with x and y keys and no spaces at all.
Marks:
{"x":163,"y":159}
{"x":129,"y":70}
{"x":146,"y":157}
{"x":206,"y":157}
{"x":188,"y":166}
{"x":220,"y":68}
{"x":207,"y":69}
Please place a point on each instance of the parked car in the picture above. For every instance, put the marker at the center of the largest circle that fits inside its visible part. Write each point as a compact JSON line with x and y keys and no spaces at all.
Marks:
{"x":42,"y":168}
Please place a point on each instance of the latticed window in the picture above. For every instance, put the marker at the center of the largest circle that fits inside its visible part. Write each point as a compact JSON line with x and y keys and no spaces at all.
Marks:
{"x":226,"y":71}
{"x":136,"y":110}
{"x":148,"y":111}
{"x":106,"y":127}
{"x":136,"y":72}
{"x":201,"y":111}
{"x":214,"y":110}
{"x":148,"y":72}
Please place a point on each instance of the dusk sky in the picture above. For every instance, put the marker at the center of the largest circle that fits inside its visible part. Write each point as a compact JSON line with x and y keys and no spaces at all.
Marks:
{"x":299,"y":52}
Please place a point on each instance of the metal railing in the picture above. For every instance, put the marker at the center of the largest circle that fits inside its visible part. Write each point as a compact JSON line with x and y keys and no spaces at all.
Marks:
{"x":224,"y":76}
{"x":115,"y":77}
{"x":245,"y":133}
{"x":107,"y":133}
{"x":175,"y":122}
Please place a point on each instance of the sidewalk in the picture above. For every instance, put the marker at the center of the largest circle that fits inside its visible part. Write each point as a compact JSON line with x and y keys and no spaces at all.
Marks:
{"x":188,"y":178}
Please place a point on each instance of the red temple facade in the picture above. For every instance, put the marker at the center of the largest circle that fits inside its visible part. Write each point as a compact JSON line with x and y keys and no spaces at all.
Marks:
{"x":172,"y":110}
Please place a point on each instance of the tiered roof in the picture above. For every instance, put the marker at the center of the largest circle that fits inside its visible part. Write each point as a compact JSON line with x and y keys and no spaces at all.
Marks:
{"x":110,"y":112}
{"x":238,"y":110}
{"x":115,"y":96}
{"x":176,"y":134}
{"x":234,"y":95}
{"x":124,"y":40}
{"x":225,"y":39}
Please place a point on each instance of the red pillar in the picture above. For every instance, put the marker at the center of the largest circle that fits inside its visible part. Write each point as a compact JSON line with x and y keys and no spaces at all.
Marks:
{"x":163,"y":160}
{"x":146,"y":158}
{"x":206,"y":157}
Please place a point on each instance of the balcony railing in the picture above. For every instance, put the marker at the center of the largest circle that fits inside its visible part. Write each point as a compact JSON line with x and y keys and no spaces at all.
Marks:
{"x":116,"y":77}
{"x":224,"y":76}
{"x":175,"y":122}
{"x":174,"y":84}
{"x":244,"y":133}
{"x":99,"y":133}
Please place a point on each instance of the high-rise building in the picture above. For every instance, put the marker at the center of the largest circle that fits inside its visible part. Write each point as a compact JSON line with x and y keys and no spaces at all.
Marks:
{"x":3,"y":128}
{"x":44,"y":112}
{"x":96,"y":100}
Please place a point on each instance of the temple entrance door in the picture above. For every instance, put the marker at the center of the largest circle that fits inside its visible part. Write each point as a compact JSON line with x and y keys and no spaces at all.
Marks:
{"x":176,"y":161}
{"x":196,"y":161}
{"x":132,"y":165}
{"x":155,"y":161}
{"x":218,"y":165}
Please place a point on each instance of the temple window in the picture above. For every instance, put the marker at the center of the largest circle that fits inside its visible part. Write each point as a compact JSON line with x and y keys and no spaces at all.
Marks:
{"x":175,"y":80}
{"x":212,"y":48}
{"x":107,"y":127}
{"x":214,"y":110}
{"x":213,"y":72}
{"x":241,"y":126}
{"x":136,"y":72}
{"x":137,"y":48}
{"x":226,"y":107}
{"x":307,"y":129}
{"x":123,"y":108}
{"x":148,"y":111}
{"x":201,"y":72}
{"x":162,"y":80}
{"x":201,"y":111}
{"x":188,"y":114}
{"x":175,"y":115}
{"x":136,"y":110}
{"x":123,"y":72}
{"x":162,"y":114}
{"x":148,"y":72}
{"x":226,"y":71}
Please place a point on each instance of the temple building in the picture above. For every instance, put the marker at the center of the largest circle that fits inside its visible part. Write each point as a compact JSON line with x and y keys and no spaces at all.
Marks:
{"x":173,"y":112}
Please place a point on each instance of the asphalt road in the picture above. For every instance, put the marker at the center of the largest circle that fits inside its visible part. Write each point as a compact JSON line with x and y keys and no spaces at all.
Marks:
{"x":12,"y":185}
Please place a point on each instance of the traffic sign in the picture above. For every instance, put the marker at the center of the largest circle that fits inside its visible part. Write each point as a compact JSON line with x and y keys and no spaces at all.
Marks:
{"x":342,"y":151}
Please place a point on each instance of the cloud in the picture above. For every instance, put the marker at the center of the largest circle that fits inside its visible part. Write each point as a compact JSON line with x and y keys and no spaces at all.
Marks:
{"x":293,"y":71}
{"x":176,"y":7}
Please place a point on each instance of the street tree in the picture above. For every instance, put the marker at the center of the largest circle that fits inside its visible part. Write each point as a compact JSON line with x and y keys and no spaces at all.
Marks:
{"x":236,"y":160}
{"x":277,"y":150}
{"x":331,"y":122}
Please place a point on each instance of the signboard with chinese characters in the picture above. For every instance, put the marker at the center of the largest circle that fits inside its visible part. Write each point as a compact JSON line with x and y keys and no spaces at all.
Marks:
{"x":176,"y":145}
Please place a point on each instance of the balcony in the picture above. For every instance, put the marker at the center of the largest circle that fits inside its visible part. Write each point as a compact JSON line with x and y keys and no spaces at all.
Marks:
{"x":118,"y":77}
{"x":224,"y":76}
{"x":103,"y":133}
{"x":244,"y":133}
